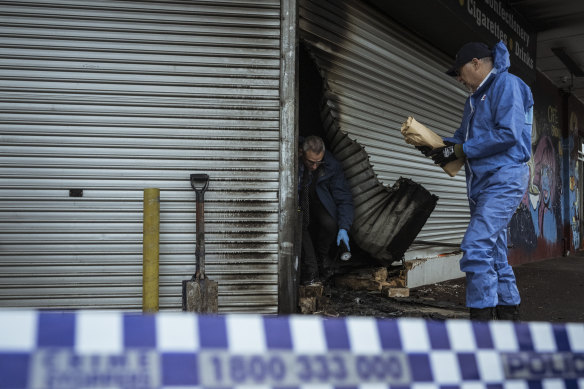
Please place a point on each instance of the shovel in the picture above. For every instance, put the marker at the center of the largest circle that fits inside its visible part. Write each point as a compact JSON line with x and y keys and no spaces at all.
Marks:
{"x":199,"y":294}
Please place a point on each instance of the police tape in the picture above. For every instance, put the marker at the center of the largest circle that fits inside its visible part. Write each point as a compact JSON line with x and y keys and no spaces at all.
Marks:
{"x":87,"y":349}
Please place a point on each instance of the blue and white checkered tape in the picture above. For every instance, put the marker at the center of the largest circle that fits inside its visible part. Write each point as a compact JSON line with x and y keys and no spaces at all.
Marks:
{"x":89,"y":349}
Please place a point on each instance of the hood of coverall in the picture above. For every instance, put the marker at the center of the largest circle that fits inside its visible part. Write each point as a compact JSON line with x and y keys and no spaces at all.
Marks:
{"x":501,"y":61}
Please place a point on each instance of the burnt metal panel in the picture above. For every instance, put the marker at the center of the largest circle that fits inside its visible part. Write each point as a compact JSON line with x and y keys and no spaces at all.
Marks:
{"x":387,"y":219}
{"x":112,"y":97}
{"x":376,"y":74}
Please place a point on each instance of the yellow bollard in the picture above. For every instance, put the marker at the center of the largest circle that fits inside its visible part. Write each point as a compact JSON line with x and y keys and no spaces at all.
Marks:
{"x":150,"y":247}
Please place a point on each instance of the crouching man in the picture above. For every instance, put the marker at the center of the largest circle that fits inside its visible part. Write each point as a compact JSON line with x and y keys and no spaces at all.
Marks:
{"x":327,"y":209}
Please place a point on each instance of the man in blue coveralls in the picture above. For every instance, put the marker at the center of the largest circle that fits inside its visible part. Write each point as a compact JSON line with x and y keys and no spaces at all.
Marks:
{"x":495,"y":139}
{"x":327,"y":208}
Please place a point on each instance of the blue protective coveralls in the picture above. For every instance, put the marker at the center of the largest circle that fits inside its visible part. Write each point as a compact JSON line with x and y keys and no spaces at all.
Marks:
{"x":496,"y":136}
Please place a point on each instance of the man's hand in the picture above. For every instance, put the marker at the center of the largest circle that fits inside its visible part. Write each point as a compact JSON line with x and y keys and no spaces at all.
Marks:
{"x":426,"y":150}
{"x":344,"y":237}
{"x":446,"y":154}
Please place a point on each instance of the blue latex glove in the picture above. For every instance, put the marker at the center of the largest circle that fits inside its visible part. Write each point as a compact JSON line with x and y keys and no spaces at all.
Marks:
{"x":344,"y":237}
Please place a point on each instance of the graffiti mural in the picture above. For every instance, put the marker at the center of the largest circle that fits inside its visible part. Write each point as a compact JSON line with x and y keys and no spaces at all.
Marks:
{"x":544,"y":192}
{"x":548,"y":221}
{"x":574,"y":189}
{"x":539,"y":215}
{"x":537,"y":223}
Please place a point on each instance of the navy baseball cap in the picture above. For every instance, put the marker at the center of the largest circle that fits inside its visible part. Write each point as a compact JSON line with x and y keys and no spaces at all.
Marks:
{"x":467,"y":53}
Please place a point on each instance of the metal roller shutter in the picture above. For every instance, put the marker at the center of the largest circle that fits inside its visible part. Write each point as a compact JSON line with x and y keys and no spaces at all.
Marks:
{"x":112,"y":97}
{"x":378,"y":74}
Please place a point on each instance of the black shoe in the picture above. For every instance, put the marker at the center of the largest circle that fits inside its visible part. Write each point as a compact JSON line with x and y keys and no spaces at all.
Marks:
{"x":327,"y":273}
{"x":483,"y":314}
{"x":508,"y":312}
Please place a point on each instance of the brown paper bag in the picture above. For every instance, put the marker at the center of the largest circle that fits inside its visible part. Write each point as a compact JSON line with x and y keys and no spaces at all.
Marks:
{"x":417,"y":134}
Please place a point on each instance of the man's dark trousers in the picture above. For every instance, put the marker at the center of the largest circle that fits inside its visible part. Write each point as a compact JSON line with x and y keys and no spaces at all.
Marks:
{"x":317,"y":241}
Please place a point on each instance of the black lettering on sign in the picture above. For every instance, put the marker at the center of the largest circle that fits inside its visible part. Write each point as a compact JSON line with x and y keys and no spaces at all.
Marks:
{"x":64,"y":369}
{"x":219,"y":368}
{"x":536,"y":366}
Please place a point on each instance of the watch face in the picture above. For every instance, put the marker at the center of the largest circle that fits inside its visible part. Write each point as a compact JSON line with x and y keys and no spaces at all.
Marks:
{"x":346,"y":256}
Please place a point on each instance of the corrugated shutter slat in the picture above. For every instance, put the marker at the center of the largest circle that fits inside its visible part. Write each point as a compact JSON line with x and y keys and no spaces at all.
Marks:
{"x":378,"y":75}
{"x":116,"y":96}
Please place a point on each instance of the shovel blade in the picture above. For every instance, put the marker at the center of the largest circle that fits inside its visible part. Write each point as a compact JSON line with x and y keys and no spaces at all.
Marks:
{"x":200,"y":296}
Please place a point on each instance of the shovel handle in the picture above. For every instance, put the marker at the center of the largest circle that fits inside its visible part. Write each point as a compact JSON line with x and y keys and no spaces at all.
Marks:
{"x":199,"y":182}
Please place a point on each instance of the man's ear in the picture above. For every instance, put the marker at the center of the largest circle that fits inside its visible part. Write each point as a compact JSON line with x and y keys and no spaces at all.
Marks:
{"x":476,"y":63}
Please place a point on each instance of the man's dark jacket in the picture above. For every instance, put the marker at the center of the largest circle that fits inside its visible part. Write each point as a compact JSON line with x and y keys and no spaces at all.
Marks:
{"x":334,"y":191}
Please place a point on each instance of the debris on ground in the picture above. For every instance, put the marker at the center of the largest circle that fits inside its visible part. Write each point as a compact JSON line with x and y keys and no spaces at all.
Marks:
{"x":377,"y":292}
{"x":550,"y":291}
